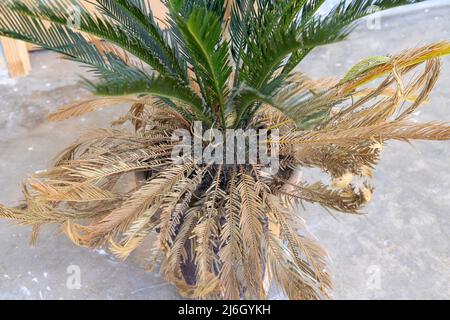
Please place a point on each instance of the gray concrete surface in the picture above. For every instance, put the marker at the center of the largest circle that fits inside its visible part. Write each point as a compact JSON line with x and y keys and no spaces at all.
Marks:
{"x":400,"y":250}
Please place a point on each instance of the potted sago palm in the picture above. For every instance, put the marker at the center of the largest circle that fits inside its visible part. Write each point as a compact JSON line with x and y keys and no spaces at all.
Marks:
{"x":221,"y":124}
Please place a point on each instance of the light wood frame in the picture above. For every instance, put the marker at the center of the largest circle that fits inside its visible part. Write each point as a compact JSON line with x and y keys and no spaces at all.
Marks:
{"x":16,"y":56}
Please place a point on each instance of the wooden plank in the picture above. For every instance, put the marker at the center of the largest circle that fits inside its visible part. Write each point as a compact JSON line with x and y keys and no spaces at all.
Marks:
{"x":16,"y":56}
{"x":159,"y":11}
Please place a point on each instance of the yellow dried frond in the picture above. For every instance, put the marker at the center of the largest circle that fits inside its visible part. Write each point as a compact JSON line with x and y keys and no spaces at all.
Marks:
{"x":142,"y":199}
{"x":169,"y":215}
{"x":231,"y":251}
{"x":366,"y":171}
{"x":251,"y":212}
{"x":208,"y":286}
{"x":402,"y":61}
{"x":386,"y":93}
{"x":395,"y":130}
{"x":346,"y":200}
{"x":55,"y":190}
{"x":75,"y":232}
{"x":206,"y":232}
{"x":251,"y":225}
{"x":342,"y":181}
{"x":123,"y":251}
{"x":367,"y":194}
{"x":92,"y":172}
{"x":309,"y":256}
{"x":79,"y":108}
{"x":284,"y":272}
{"x":11,"y":213}
{"x":174,"y":255}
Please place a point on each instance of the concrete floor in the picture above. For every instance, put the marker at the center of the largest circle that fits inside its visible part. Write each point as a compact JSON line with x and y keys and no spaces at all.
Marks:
{"x":400,"y":250}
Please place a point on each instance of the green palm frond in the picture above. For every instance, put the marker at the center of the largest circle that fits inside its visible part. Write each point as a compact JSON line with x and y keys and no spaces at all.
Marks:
{"x":159,"y":86}
{"x":202,"y":34}
{"x":272,"y":37}
{"x":185,"y":8}
{"x":137,"y":18}
{"x":57,"y":13}
{"x":336,"y":25}
{"x":53,"y":37}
